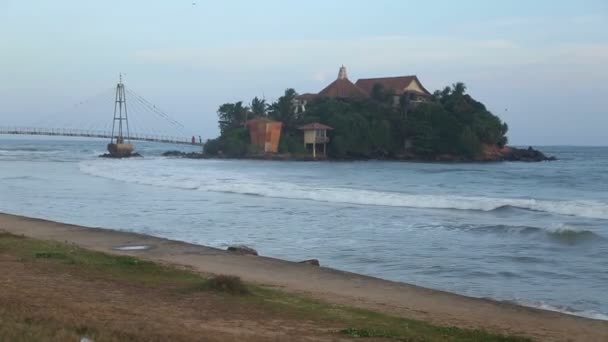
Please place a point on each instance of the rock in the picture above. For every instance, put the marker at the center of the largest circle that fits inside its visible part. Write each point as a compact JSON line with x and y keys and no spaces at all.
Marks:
{"x":132,"y":155}
{"x":173,"y":154}
{"x":314,"y":262}
{"x":241,"y":249}
{"x":526,"y":155}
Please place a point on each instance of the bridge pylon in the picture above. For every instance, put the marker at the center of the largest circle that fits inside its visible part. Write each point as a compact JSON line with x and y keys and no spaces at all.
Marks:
{"x":120,"y":144}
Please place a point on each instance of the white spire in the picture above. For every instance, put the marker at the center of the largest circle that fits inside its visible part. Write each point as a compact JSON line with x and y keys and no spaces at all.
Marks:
{"x":342,"y":74}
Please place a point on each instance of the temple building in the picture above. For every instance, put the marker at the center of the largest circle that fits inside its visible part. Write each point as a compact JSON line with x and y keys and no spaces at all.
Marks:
{"x":343,"y":88}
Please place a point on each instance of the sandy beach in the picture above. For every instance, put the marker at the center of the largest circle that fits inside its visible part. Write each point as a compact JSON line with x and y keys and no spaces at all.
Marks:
{"x":326,"y":284}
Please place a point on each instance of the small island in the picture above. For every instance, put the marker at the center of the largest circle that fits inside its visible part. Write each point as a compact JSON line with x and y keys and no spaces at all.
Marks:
{"x":389,"y":118}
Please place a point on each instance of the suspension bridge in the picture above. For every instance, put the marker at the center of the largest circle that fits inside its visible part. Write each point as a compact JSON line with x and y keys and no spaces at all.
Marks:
{"x":149,"y":123}
{"x":68,"y":132}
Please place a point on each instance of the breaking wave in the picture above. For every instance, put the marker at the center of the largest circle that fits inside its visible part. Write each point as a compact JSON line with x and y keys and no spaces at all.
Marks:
{"x":560,"y":233}
{"x":564,"y":309}
{"x":240,"y":183}
{"x":21,"y":151}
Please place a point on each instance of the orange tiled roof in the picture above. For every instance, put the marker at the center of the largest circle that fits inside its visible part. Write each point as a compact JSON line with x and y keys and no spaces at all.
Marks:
{"x":396,"y":84}
{"x":342,"y":88}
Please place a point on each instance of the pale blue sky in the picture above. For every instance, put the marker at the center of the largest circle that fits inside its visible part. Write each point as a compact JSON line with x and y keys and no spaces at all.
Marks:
{"x":540,"y":65}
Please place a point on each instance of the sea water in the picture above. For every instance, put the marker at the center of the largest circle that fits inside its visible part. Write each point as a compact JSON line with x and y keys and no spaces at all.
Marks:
{"x":530,"y":233}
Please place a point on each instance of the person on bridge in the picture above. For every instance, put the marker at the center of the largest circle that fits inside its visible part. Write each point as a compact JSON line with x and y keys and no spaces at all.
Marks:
{"x":193,"y":140}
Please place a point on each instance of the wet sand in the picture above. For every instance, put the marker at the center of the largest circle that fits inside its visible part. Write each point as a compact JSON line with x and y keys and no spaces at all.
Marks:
{"x":326,"y":284}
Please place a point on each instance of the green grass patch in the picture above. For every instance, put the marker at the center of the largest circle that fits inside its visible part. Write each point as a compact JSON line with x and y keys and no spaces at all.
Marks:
{"x":68,"y":257}
{"x":362,"y":323}
{"x":355,"y":322}
{"x":365,"y":333}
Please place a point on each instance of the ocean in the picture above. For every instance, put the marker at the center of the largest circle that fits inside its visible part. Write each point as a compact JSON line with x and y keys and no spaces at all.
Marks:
{"x":534,"y":234}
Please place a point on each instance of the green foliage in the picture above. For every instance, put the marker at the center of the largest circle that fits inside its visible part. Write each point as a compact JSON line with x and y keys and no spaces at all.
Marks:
{"x":454,"y":123}
{"x":258,"y":107}
{"x":292,"y":143}
{"x":469,"y":142}
{"x":284,"y":109}
{"x":379,"y":93}
{"x":232,"y":143}
{"x":232,"y":115}
{"x":450,"y":123}
{"x":368,"y":333}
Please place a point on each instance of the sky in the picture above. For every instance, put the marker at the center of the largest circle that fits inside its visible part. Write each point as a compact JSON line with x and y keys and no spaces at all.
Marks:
{"x":542,"y":66}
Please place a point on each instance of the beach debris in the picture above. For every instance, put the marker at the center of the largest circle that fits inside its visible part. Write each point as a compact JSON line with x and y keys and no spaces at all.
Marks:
{"x":314,"y":262}
{"x":129,"y":248}
{"x":86,"y":339}
{"x":242,"y":249}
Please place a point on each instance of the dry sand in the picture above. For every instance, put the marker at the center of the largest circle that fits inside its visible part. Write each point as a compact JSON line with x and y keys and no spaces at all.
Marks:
{"x":327,"y":284}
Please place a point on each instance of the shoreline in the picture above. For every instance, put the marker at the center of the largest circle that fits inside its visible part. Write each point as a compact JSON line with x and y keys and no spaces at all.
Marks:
{"x":330,"y":285}
{"x":512,"y":154}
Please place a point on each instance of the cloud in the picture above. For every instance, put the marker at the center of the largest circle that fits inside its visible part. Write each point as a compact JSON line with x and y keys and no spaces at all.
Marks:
{"x":383,"y":51}
{"x":380,"y":52}
{"x":320,"y":76}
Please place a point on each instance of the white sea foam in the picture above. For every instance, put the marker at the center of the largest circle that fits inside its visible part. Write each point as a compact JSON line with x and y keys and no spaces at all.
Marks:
{"x":565,"y":310}
{"x":28,"y":152}
{"x":144,"y":172}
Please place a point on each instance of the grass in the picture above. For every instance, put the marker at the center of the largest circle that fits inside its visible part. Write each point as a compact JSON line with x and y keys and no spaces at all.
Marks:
{"x":94,"y":264}
{"x":363,"y":323}
{"x":61,"y":257}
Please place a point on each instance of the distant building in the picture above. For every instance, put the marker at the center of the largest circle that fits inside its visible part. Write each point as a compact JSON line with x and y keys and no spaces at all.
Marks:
{"x":343,"y":88}
{"x":397,"y":87}
{"x":265,"y":134}
{"x":315,"y":134}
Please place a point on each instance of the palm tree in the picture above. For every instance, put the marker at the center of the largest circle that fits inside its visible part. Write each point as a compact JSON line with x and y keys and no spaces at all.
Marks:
{"x":258,"y":107}
{"x":284,"y":109}
{"x":458,"y":88}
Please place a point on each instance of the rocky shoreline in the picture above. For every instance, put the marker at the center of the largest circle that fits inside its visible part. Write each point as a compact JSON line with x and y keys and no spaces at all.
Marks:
{"x":490,"y":154}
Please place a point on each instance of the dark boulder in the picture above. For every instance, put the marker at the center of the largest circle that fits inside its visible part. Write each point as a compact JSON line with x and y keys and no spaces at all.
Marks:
{"x":526,"y":155}
{"x":173,"y":154}
{"x":132,"y":155}
{"x":241,"y":249}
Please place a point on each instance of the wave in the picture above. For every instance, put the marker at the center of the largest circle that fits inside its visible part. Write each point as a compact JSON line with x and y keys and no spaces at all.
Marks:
{"x":14,"y":178}
{"x":561,"y":233}
{"x":564,"y":309}
{"x":259,"y":185}
{"x":18,"y":152}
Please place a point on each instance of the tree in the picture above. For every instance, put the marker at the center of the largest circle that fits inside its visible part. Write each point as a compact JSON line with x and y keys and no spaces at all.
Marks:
{"x":284,"y":108}
{"x":458,"y":88}
{"x":232,"y":115}
{"x":469,"y":143}
{"x":258,"y":107}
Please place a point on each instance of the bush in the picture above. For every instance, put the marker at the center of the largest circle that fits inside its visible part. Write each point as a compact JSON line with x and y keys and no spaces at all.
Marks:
{"x":233,"y":143}
{"x":469,"y":143}
{"x":227,"y":284}
{"x":293,"y":144}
